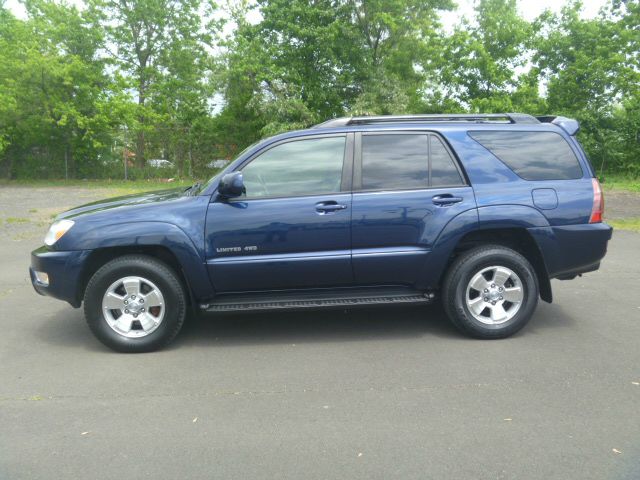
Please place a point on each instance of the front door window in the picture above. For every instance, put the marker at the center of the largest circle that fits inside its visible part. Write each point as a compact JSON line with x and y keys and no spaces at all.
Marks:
{"x":297,"y":168}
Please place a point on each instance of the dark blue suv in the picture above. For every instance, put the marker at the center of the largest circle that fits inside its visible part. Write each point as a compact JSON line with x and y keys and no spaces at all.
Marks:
{"x":478,"y":210}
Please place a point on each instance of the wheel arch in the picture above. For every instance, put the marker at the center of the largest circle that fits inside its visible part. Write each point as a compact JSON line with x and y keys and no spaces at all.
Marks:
{"x":515,"y":238}
{"x":163,"y":241}
{"x":101,"y":256}
{"x":490,"y":225}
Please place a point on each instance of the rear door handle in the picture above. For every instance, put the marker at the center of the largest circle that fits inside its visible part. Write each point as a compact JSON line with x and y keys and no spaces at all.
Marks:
{"x":324,"y":208}
{"x":446,"y":200}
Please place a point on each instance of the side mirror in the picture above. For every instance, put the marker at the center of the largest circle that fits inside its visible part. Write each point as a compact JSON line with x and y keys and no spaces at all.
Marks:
{"x":231,"y":185}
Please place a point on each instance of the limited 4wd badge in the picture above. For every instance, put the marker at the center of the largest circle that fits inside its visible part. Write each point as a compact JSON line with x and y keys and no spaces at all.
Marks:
{"x":248,"y":248}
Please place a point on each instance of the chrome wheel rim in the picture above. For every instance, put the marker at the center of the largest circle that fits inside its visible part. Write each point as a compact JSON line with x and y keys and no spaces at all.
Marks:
{"x":133,"y":307}
{"x":494,"y":295}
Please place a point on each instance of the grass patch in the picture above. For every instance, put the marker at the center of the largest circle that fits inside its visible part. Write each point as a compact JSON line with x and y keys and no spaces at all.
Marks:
{"x":620,"y":183}
{"x":17,"y":220}
{"x":632,"y":224}
{"x":152,"y":184}
{"x":116,"y":187}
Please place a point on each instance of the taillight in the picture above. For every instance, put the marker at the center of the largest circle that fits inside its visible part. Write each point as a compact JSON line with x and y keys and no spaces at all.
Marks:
{"x":597,"y":210}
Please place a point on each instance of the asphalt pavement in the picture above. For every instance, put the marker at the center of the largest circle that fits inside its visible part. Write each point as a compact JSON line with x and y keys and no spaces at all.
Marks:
{"x":367,"y":394}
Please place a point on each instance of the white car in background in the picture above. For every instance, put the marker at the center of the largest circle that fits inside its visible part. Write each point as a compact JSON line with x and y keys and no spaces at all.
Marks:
{"x":220,"y":163}
{"x":160,"y":163}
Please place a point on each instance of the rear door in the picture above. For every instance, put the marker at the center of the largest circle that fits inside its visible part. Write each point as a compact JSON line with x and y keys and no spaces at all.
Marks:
{"x":292,"y":228}
{"x":407,"y":187}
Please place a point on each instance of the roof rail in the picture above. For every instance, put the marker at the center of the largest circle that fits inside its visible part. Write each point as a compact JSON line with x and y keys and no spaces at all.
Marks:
{"x":428,"y":118}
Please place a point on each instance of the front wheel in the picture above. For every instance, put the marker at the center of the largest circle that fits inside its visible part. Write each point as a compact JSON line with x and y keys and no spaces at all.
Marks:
{"x":490,"y":292}
{"x":135,"y":303}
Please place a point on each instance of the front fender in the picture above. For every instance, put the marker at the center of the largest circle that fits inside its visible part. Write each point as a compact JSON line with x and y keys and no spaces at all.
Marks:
{"x":141,"y":234}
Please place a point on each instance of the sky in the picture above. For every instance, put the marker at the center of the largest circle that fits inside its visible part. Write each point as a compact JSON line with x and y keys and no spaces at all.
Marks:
{"x":528,"y":8}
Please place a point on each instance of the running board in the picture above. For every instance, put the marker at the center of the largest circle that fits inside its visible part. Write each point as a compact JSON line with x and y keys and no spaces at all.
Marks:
{"x":329,"y":299}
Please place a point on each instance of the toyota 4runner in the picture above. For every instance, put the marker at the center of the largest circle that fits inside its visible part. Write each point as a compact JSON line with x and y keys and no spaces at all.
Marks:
{"x":480,"y":211}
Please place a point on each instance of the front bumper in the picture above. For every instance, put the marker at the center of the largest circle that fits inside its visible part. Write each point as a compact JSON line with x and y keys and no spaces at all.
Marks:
{"x":64,"y":270}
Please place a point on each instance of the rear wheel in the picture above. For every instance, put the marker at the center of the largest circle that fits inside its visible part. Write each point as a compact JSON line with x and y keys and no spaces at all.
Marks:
{"x":135,"y":304}
{"x":490,"y":292}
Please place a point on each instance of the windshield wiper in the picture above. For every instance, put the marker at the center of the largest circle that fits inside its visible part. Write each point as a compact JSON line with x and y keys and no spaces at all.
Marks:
{"x":192,"y":189}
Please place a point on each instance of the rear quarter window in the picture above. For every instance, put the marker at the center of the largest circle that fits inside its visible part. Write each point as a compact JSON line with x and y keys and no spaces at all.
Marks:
{"x":532,"y":155}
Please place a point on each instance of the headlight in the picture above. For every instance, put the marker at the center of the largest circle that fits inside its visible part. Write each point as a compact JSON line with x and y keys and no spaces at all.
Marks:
{"x":57,"y":230}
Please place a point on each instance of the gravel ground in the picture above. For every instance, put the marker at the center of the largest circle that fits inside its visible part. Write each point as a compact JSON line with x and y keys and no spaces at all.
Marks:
{"x":371,"y":394}
{"x":618,"y":205}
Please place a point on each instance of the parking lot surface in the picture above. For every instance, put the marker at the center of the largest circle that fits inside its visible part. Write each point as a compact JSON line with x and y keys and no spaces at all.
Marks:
{"x":372,"y":394}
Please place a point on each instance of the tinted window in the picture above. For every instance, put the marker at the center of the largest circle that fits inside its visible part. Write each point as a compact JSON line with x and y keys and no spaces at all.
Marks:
{"x":401,"y":162}
{"x":532,"y":155}
{"x":395,"y":162}
{"x":443,"y":168}
{"x":302,"y":167}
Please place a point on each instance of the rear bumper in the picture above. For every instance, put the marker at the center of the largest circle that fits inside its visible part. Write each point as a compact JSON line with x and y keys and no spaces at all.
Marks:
{"x":64,"y":270}
{"x":573,"y":249}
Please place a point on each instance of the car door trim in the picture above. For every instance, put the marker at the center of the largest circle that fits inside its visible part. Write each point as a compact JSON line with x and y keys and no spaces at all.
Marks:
{"x":280,"y":257}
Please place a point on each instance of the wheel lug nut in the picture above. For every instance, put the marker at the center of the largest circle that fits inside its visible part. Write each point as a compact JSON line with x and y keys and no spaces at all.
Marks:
{"x":142,"y":300}
{"x":486,"y":299}
{"x":500,"y":298}
{"x":500,"y":289}
{"x":486,"y":290}
{"x":126,"y":310}
{"x":135,"y":315}
{"x":126,"y":302}
{"x":493,"y":285}
{"x":493,"y":303}
{"x":133,"y":297}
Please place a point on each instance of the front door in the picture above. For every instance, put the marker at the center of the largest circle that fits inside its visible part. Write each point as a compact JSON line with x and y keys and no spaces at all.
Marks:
{"x":292,"y":228}
{"x":407,"y":187}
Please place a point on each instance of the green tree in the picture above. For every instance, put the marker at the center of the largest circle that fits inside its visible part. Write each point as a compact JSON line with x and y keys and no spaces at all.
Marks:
{"x":399,"y":42}
{"x":156,"y":46}
{"x":586,"y":65}
{"x":485,"y":60}
{"x":55,"y":87}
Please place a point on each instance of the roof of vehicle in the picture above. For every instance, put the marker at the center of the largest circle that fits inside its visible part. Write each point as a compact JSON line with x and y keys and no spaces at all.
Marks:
{"x":500,"y":119}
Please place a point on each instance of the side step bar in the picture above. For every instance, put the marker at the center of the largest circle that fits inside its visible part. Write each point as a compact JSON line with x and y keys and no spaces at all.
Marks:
{"x":277,"y":301}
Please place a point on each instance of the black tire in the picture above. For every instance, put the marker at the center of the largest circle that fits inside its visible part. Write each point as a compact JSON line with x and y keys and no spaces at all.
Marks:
{"x":462,"y":271}
{"x":166,"y":280}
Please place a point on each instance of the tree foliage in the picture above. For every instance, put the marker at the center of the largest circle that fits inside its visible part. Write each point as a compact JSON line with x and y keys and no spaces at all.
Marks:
{"x":86,"y":89}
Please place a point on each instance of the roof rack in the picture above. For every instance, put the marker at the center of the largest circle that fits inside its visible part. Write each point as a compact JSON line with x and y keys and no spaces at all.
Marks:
{"x":521,"y":118}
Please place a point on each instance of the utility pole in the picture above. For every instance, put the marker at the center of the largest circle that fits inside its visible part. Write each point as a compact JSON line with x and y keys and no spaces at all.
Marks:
{"x":190,"y":159}
{"x":124,"y":153}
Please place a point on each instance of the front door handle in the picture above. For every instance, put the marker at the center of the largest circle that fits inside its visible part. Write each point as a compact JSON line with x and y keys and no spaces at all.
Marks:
{"x":324,"y":208}
{"x":446,"y":200}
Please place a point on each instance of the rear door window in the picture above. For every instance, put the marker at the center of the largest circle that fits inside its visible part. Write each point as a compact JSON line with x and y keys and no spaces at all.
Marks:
{"x":406,"y":162}
{"x":532,"y":155}
{"x":443,"y":169}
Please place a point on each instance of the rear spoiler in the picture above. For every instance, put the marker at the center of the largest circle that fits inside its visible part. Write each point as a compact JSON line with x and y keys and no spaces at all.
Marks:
{"x":569,"y":125}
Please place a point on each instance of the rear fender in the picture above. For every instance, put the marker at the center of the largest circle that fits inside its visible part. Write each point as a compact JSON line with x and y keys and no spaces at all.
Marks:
{"x":487,"y":218}
{"x":443,"y":248}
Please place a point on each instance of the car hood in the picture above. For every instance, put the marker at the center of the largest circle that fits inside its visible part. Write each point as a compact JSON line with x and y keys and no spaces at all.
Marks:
{"x":124,"y":201}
